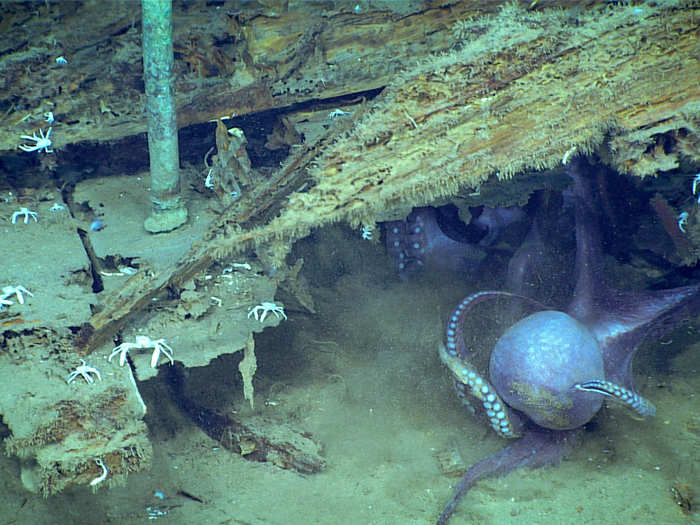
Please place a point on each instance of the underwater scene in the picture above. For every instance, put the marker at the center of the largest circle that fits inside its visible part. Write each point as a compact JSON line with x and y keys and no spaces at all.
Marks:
{"x":350,"y":262}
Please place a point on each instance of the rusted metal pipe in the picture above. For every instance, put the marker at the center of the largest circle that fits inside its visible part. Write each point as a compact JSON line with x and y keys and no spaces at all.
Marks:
{"x":169,"y":210}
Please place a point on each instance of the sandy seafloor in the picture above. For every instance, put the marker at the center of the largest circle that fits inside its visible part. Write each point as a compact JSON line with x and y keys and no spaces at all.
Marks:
{"x":363,"y":376}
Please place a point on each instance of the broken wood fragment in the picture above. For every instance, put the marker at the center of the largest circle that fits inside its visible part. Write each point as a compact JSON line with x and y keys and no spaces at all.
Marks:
{"x":255,"y":438}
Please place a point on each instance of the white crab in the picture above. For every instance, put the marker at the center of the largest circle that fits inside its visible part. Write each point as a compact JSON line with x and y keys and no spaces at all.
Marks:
{"x":337,"y":113}
{"x":41,"y":142}
{"x":18,"y":291}
{"x":266,"y":307}
{"x":367,"y":232}
{"x":84,"y":371}
{"x":696,"y":184}
{"x":683,"y":221}
{"x":143,"y":341}
{"x":27,"y":214}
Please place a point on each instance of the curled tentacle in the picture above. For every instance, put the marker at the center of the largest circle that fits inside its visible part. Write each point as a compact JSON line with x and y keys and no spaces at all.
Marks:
{"x":455,"y":356}
{"x":433,"y":239}
{"x":503,"y":419}
{"x":454,"y":333}
{"x":630,"y":399}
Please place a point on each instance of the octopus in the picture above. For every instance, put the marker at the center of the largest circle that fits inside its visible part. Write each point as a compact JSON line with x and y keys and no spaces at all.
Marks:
{"x":436,"y":239}
{"x":550,"y":372}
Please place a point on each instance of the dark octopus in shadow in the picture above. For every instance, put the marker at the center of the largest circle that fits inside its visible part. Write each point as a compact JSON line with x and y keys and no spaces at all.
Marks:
{"x":436,"y":239}
{"x":550,"y":372}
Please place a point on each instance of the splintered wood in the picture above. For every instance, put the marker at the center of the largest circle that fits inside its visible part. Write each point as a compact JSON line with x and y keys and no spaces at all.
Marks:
{"x":247,"y":367}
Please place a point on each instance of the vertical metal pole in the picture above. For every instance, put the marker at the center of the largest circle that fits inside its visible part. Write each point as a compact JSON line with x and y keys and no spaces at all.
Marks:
{"x":168,"y":211}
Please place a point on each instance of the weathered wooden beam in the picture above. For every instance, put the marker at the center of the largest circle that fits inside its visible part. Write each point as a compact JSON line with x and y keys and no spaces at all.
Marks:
{"x":227,"y":62}
{"x":524,"y":91}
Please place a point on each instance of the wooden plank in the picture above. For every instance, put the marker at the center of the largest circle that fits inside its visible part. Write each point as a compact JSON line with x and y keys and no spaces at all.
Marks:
{"x":526,"y":91}
{"x":258,"y":57}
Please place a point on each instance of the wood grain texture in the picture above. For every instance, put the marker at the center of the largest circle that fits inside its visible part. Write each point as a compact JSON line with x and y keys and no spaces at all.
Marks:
{"x":258,"y":56}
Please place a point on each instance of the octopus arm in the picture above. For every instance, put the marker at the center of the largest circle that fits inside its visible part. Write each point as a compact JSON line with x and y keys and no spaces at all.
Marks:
{"x":628,"y":398}
{"x":537,"y":448}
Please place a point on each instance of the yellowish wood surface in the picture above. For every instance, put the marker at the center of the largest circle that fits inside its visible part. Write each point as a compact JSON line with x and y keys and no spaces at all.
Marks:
{"x":525,"y":91}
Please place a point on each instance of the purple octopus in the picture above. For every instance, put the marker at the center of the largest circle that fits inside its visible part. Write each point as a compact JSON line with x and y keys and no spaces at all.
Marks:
{"x":437,"y":239}
{"x":550,"y":372}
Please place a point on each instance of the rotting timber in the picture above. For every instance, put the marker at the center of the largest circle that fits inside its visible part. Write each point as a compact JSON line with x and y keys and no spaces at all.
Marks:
{"x":536,"y":91}
{"x":495,"y":95}
{"x":229,"y":61}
